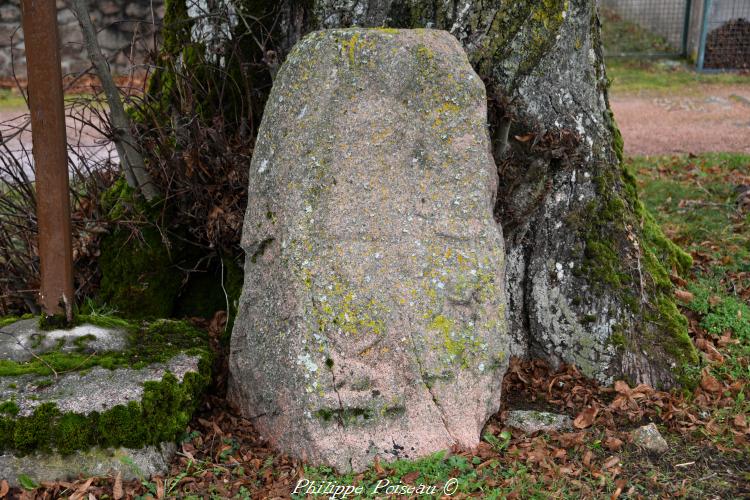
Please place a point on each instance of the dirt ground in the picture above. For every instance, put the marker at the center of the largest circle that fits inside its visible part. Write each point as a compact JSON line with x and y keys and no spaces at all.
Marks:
{"x":709,"y":118}
{"x":705,"y":119}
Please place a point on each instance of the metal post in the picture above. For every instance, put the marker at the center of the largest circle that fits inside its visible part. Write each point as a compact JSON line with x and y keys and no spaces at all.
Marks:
{"x":45,"y":89}
{"x":686,"y":27}
{"x":704,"y":34}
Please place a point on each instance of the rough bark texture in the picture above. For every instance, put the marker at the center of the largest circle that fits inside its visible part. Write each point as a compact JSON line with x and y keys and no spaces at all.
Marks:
{"x":588,"y":270}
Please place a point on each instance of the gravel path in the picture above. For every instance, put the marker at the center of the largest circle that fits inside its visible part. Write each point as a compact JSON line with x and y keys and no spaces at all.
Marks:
{"x":711,"y":118}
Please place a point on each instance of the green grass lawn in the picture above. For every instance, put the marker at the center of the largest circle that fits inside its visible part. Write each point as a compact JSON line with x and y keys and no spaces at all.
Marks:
{"x":11,"y":99}
{"x":635,"y":76}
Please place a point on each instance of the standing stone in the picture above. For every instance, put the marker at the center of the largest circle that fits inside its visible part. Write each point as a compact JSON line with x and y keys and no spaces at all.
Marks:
{"x":372,"y":320}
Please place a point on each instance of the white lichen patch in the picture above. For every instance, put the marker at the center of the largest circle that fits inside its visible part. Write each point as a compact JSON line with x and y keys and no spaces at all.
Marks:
{"x":22,"y":340}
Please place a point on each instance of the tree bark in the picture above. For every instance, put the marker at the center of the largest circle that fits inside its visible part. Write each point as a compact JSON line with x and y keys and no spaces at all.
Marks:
{"x":131,"y":160}
{"x":588,"y":270}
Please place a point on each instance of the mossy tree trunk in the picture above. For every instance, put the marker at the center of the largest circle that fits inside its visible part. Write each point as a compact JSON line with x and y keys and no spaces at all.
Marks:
{"x":588,"y":270}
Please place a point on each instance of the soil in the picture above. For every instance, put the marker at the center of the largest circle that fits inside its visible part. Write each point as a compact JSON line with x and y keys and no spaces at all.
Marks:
{"x":705,"y":119}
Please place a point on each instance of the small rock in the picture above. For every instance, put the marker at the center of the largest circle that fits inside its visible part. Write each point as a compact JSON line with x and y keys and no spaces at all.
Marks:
{"x":534,"y":421}
{"x":650,"y":439}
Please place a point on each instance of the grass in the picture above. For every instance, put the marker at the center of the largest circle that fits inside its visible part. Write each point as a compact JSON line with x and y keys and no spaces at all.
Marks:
{"x":654,"y":76}
{"x":10,"y":99}
{"x":694,"y":200}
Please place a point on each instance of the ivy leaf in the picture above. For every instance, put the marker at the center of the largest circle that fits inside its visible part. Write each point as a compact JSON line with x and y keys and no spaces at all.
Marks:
{"x":27,"y":483}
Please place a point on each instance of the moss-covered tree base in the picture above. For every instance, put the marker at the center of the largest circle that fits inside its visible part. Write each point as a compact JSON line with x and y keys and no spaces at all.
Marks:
{"x":73,"y":394}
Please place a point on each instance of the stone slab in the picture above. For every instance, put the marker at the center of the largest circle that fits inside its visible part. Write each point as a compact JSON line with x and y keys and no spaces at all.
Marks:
{"x":98,"y":389}
{"x":131,"y":463}
{"x":21,"y":340}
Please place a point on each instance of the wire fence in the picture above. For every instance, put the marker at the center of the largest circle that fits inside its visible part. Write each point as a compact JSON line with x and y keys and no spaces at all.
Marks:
{"x":713,"y":33}
{"x":725,"y":37}
{"x":645,"y":27}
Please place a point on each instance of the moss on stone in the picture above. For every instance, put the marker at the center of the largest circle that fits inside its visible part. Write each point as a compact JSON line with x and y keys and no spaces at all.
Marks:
{"x":156,"y":342}
{"x":9,"y":408}
{"x":138,"y":278}
{"x":160,"y":416}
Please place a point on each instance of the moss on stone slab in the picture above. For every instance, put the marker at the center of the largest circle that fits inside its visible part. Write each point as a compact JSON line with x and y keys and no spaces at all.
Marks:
{"x":139,"y":278}
{"x":156,"y":342}
{"x":162,"y":414}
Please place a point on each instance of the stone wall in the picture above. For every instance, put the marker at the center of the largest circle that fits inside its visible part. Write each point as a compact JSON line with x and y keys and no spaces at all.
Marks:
{"x":126,"y":34}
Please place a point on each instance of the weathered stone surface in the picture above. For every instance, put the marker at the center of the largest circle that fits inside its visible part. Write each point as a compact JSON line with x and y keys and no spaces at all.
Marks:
{"x":131,"y":463}
{"x":91,"y":399}
{"x":23,"y":339}
{"x":587,"y":267}
{"x":650,"y":439}
{"x":98,"y":389}
{"x":530,"y":422}
{"x":372,"y":320}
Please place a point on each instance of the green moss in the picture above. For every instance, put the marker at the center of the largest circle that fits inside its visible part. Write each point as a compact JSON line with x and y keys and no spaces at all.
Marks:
{"x":641,"y":282}
{"x":138,"y":278}
{"x":156,"y":342}
{"x":161,"y":416}
{"x":9,"y":407}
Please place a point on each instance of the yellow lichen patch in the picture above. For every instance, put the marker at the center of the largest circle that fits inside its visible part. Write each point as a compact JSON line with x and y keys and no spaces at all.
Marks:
{"x":350,"y":47}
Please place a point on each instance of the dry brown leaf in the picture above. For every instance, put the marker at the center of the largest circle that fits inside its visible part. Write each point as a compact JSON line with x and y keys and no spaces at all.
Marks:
{"x":740,"y":421}
{"x":159,"y":487}
{"x":587,"y":458}
{"x":611,"y":462}
{"x":524,"y":138}
{"x":586,"y":417}
{"x":4,"y":488}
{"x":622,"y":387}
{"x":684,"y":295}
{"x":710,"y":384}
{"x":613,"y":443}
{"x":117,"y":492}
{"x":410,"y":477}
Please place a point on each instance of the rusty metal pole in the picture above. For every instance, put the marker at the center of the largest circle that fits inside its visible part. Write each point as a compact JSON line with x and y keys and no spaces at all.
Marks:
{"x":45,"y":89}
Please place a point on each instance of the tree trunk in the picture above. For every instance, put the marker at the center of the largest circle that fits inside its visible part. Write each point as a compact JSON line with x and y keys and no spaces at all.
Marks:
{"x":588,"y":270}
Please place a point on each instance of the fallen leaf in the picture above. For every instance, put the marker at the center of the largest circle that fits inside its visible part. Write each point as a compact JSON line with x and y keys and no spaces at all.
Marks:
{"x":622,"y":387}
{"x":740,"y":421}
{"x":410,"y":477}
{"x":524,"y":138}
{"x":710,"y":384}
{"x":4,"y":488}
{"x":684,"y":295}
{"x":586,"y":417}
{"x":159,"y":487}
{"x":611,"y":462}
{"x":587,"y":458}
{"x":613,"y":443}
{"x":117,"y":492}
